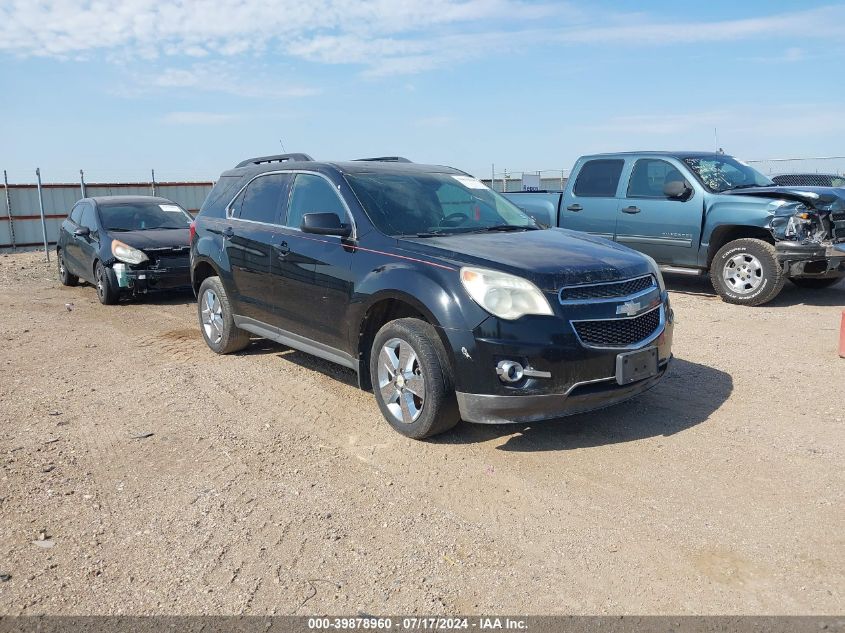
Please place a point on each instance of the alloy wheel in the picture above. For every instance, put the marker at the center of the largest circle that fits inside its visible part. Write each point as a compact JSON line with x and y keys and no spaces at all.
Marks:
{"x":401,"y":382}
{"x":743,"y":273}
{"x":212,"y":316}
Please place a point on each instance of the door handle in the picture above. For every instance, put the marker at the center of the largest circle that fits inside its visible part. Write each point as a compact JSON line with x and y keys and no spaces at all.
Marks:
{"x":631,"y":210}
{"x":575,"y":207}
{"x":228,"y":232}
{"x":282,"y":249}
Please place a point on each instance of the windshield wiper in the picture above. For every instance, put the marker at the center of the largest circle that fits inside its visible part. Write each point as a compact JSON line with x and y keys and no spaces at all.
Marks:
{"x":151,"y":228}
{"x":509,"y":227}
{"x":745,"y":187}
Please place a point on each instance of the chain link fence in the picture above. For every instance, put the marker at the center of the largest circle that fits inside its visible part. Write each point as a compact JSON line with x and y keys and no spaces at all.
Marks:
{"x":827,"y":171}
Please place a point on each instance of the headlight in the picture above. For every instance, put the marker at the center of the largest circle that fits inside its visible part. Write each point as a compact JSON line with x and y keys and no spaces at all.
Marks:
{"x":126,"y":253}
{"x":655,"y":270}
{"x":505,"y":296}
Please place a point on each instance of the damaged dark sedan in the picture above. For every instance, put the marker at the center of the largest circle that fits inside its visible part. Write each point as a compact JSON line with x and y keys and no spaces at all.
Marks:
{"x":125,"y":246}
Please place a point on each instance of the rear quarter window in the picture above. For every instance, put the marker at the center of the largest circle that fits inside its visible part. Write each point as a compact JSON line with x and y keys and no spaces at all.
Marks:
{"x":599,"y":178}
{"x":220,"y":195}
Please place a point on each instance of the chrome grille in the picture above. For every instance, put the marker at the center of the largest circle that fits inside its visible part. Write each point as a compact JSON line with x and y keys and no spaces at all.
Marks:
{"x":609,"y":290}
{"x":618,"y":332}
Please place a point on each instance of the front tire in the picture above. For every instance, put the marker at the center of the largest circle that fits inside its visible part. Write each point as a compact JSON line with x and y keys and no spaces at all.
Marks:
{"x":412,"y":379}
{"x":65,"y":276}
{"x":746,"y":272}
{"x":217,"y":321}
{"x":815,"y":283}
{"x":108,"y":291}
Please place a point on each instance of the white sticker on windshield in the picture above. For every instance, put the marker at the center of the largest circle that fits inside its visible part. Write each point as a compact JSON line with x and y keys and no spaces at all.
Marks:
{"x":470,"y":182}
{"x":172,"y":208}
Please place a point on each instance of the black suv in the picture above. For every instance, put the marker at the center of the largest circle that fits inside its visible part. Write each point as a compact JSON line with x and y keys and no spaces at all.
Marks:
{"x":447,"y":300}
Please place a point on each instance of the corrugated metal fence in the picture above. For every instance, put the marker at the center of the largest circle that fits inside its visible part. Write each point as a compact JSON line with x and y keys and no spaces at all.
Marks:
{"x":20,"y":209}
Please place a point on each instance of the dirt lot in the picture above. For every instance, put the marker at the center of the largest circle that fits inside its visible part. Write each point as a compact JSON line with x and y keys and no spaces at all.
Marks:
{"x":270,"y":484}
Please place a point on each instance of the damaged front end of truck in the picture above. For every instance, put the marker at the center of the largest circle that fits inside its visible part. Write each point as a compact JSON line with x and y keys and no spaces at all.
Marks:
{"x":808,"y":226}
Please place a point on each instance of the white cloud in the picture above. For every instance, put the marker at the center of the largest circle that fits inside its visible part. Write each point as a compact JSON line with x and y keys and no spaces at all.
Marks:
{"x":198,"y":118}
{"x":435,"y":121}
{"x":385,"y":37}
{"x":220,"y":77}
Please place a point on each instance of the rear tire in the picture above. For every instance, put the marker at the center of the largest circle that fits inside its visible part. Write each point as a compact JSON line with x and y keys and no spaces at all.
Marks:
{"x":65,"y":277}
{"x":815,"y":283}
{"x":217,"y":322}
{"x":746,"y":272}
{"x":108,"y":292}
{"x":412,"y":379}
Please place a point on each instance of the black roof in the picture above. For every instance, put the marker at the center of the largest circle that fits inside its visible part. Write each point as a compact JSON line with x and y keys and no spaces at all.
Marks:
{"x":344,"y":167}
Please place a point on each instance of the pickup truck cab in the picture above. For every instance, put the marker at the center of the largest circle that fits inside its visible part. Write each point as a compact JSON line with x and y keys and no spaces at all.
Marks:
{"x":695,"y":212}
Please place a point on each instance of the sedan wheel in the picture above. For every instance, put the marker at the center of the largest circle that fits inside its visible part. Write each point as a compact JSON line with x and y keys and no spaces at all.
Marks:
{"x":401,"y":381}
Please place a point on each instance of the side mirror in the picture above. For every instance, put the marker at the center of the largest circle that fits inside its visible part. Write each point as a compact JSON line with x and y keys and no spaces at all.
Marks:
{"x":324,"y":224}
{"x":82,"y":231}
{"x":676,"y":189}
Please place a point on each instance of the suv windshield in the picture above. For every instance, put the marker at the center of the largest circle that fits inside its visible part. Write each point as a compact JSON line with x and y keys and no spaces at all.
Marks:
{"x":428,"y":204}
{"x":721,"y":173}
{"x":142,"y":216}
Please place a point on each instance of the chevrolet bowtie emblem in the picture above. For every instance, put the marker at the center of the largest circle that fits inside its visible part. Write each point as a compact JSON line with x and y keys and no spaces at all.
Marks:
{"x":629,"y":309}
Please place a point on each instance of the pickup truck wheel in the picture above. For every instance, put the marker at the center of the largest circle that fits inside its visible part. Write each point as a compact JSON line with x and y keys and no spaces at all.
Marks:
{"x":412,"y":379}
{"x":216,"y":319}
{"x":746,"y":272}
{"x":815,"y":283}
{"x":65,"y":276}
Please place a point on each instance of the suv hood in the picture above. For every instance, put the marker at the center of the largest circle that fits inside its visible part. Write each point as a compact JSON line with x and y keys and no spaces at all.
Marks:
{"x":154,"y":238}
{"x":550,"y":258}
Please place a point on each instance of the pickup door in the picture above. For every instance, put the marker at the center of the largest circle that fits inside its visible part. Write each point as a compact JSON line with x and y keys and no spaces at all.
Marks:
{"x":591,"y":204}
{"x":668,"y":229}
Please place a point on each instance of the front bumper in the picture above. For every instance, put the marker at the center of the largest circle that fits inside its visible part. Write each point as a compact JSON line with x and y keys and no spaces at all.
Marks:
{"x":141,"y":280}
{"x":580,"y":398}
{"x":812,"y":259}
{"x":567,"y":376}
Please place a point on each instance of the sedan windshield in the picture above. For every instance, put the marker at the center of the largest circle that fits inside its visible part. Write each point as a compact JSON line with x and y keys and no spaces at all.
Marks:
{"x":143,"y":216}
{"x":721,"y":173}
{"x":433,"y":204}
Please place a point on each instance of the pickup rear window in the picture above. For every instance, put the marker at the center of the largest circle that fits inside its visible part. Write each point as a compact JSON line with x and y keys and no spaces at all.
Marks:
{"x":598,"y":178}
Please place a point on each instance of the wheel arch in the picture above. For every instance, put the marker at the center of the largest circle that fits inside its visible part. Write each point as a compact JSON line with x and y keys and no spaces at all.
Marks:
{"x":725,"y":233}
{"x":382,"y":308}
{"x":202,"y":270}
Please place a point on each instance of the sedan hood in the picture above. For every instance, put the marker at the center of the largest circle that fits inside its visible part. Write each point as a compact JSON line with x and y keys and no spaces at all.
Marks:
{"x":551,"y":258}
{"x":154,"y":239}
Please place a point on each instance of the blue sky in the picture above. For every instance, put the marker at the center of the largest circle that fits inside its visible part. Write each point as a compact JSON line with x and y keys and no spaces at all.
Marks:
{"x":192,"y":87}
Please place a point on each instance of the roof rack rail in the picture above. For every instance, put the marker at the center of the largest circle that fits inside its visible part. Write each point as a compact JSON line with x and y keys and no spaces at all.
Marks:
{"x":277,"y":158}
{"x":386,"y":159}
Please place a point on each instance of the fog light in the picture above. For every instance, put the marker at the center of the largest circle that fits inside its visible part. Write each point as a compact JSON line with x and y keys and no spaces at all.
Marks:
{"x":509,"y":371}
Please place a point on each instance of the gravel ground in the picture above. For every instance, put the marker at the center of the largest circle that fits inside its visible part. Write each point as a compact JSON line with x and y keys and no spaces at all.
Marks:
{"x":142,"y":474}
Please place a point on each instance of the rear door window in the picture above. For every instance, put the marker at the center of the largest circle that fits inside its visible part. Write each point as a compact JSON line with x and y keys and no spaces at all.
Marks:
{"x":261,"y":201}
{"x":313,"y":194}
{"x":599,"y":178}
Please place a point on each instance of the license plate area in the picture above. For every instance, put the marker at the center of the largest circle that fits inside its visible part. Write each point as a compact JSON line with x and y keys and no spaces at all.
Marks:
{"x":634,"y":366}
